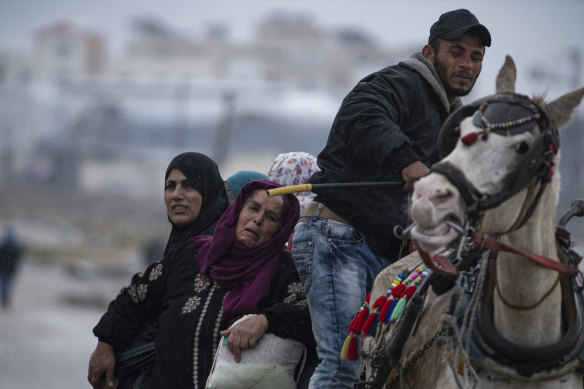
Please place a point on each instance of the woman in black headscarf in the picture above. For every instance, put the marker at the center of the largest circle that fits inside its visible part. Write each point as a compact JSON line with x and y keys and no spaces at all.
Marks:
{"x":201,"y":175}
{"x":195,"y":198}
{"x":241,"y":270}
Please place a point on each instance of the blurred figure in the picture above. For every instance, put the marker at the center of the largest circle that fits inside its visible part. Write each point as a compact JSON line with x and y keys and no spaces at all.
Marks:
{"x":10,"y":253}
{"x":295,"y":168}
{"x":234,"y":183}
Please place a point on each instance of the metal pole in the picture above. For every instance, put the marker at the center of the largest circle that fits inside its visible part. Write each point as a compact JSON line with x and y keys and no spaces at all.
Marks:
{"x":308,"y":187}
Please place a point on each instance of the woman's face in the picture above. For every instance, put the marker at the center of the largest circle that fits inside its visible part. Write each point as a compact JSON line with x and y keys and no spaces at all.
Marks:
{"x":183,"y":201}
{"x":259,"y":219}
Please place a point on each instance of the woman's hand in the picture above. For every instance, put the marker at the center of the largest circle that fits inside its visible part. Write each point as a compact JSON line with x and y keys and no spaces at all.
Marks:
{"x":245,"y":335}
{"x":102,"y":361}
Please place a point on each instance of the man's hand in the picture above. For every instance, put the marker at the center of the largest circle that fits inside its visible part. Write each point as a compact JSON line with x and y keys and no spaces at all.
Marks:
{"x":245,"y":335}
{"x":101,"y":367}
{"x":413,"y":173}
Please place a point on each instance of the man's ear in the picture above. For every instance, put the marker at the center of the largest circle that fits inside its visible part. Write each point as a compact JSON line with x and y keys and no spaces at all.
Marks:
{"x":428,"y":53}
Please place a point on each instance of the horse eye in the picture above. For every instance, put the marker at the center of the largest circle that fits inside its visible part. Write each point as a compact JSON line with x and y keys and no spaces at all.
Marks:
{"x":522,"y":147}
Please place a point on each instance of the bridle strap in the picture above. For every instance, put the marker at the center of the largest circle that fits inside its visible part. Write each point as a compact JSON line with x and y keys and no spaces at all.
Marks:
{"x":493,"y":244}
{"x":467,"y":190}
{"x":440,"y":264}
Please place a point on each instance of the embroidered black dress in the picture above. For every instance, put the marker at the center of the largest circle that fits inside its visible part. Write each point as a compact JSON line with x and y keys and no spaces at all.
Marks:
{"x":190,"y":315}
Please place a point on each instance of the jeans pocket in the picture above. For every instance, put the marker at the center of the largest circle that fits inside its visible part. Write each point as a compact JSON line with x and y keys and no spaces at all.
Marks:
{"x":302,"y":255}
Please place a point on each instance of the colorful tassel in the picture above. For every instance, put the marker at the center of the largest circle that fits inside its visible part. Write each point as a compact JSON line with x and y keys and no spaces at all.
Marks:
{"x":417,"y":277}
{"x":373,"y":315}
{"x":390,"y":310}
{"x":391,"y":297}
{"x":384,"y":309}
{"x":398,"y":310}
{"x":349,"y":349}
{"x":409,"y":292}
{"x":398,"y":290}
{"x":345,"y":349}
{"x":359,"y":319}
{"x":353,"y":354}
{"x":387,"y":307}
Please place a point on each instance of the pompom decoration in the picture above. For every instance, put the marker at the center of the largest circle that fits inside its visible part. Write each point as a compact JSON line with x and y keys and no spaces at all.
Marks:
{"x":469,"y":139}
{"x":388,"y":307}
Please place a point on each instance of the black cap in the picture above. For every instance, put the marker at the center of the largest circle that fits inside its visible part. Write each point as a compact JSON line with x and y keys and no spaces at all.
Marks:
{"x":454,"y":24}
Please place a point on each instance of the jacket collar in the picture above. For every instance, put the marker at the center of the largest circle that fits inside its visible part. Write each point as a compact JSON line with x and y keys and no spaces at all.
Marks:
{"x":422,"y":66}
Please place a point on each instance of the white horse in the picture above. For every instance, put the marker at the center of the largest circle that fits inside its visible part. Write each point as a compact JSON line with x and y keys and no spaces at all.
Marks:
{"x":515,"y":321}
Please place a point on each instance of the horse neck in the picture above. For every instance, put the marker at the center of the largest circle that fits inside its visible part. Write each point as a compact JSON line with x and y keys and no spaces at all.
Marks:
{"x":523,"y":283}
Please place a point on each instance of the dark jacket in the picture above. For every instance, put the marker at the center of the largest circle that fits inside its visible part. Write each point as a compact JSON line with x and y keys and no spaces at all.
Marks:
{"x":388,"y":121}
{"x":10,"y":253}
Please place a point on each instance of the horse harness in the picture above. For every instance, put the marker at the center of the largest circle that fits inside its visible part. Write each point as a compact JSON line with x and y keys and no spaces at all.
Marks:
{"x":487,"y":349}
{"x":490,"y":351}
{"x":503,"y":114}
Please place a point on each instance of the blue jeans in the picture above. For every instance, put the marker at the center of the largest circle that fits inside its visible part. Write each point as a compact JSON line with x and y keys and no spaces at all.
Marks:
{"x":337,"y":269}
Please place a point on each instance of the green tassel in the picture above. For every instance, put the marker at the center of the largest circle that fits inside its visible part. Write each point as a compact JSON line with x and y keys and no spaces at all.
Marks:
{"x":399,"y":309}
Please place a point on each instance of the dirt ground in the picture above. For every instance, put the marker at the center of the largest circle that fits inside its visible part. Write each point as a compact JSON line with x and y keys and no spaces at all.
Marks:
{"x":45,"y":336}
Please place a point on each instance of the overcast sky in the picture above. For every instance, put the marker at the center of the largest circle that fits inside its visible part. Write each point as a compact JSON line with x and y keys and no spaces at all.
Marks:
{"x":537,"y":33}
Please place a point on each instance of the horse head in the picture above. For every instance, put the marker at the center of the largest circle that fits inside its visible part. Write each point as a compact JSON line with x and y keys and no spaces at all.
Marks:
{"x":499,"y":149}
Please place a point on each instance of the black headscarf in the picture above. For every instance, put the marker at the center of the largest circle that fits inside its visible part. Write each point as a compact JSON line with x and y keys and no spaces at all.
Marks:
{"x":203,"y":174}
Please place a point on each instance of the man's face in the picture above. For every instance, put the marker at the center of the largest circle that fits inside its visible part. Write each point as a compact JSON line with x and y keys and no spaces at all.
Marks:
{"x":459,"y":63}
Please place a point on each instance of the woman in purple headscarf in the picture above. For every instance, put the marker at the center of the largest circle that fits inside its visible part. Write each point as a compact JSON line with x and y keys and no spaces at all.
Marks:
{"x":242,"y":269}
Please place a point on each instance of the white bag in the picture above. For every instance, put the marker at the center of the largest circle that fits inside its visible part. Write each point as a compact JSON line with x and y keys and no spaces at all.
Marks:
{"x":271,"y":364}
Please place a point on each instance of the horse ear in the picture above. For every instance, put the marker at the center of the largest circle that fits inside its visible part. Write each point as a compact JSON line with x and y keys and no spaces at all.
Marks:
{"x":560,"y":110}
{"x":506,"y":77}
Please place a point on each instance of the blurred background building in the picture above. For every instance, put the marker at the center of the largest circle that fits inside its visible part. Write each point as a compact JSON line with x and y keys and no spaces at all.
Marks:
{"x":97,"y":97}
{"x":83,"y":124}
{"x":80,"y":123}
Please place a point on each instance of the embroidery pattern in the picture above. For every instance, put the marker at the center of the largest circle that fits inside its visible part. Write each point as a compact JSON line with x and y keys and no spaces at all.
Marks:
{"x":138,"y":292}
{"x":217,"y":329}
{"x":197,"y":333}
{"x":192,"y":303}
{"x":295,"y":294}
{"x":156,"y":272}
{"x":202,"y":282}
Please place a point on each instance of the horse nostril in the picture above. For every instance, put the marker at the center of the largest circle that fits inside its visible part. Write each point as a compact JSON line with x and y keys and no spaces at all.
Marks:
{"x":441,"y":195}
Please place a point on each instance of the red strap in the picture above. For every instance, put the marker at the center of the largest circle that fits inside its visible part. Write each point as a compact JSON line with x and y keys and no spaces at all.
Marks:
{"x":439,"y":264}
{"x":493,"y":244}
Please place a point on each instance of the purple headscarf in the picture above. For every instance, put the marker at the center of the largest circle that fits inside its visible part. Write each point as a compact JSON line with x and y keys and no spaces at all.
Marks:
{"x":246,"y":271}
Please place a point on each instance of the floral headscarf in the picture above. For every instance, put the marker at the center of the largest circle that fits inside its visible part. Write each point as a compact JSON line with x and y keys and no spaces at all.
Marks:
{"x":294,"y":168}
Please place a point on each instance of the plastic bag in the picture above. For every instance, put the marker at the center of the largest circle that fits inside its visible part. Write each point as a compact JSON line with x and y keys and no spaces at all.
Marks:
{"x":271,"y":364}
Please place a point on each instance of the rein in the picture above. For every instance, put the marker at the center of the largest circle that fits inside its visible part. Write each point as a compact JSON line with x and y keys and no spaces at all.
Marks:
{"x":493,"y":244}
{"x":442,"y":265}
